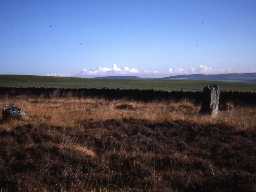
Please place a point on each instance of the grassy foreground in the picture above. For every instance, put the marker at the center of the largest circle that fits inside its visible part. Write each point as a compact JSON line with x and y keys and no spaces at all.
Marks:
{"x":166,"y":85}
{"x":98,"y":145}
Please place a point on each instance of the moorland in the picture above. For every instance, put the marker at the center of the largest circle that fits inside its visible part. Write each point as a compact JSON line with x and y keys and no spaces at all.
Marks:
{"x":90,"y":144}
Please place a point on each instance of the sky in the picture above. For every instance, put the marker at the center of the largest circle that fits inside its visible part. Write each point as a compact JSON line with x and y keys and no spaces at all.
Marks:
{"x":127,"y":37}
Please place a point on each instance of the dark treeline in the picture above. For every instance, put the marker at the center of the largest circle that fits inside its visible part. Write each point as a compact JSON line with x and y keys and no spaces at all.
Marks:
{"x":244,"y":98}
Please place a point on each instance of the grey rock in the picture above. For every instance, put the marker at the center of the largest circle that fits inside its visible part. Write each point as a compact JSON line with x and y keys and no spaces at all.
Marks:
{"x":12,"y":112}
{"x":210,"y":100}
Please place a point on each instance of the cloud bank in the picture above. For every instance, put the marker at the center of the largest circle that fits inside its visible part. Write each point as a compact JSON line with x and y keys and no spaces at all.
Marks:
{"x":116,"y":70}
{"x":113,"y":70}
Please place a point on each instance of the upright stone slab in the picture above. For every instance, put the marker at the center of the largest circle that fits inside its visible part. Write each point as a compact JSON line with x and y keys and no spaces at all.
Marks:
{"x":210,"y":100}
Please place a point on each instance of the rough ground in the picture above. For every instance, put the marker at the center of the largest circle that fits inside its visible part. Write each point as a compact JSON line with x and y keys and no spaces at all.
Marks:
{"x":99,"y":145}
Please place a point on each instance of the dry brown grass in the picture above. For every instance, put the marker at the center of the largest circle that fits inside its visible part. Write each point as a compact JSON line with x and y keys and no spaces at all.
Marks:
{"x":73,"y":111}
{"x":99,"y":145}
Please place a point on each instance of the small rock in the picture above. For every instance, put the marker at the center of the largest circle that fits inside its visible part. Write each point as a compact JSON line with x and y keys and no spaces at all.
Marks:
{"x":12,"y":112}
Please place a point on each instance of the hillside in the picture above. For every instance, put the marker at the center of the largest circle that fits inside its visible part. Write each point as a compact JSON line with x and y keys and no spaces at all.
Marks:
{"x":119,"y":77}
{"x":239,"y":77}
{"x":156,"y":84}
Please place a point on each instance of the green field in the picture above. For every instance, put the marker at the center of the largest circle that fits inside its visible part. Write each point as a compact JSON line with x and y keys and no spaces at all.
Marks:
{"x":166,"y":85}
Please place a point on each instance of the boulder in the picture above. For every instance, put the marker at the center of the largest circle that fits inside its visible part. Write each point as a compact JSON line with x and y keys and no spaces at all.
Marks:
{"x":210,"y":100}
{"x":12,"y":112}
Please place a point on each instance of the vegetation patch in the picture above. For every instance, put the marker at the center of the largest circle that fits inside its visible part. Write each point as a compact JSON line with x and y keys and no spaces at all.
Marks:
{"x":90,"y":145}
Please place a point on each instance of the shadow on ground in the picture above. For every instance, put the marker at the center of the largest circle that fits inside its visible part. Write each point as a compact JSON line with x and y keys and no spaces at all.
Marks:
{"x":127,"y":155}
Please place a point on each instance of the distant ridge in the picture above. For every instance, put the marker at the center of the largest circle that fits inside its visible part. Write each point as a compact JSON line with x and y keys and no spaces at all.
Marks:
{"x":236,"y":77}
{"x":119,"y":77}
{"x":230,"y":77}
{"x":240,"y":77}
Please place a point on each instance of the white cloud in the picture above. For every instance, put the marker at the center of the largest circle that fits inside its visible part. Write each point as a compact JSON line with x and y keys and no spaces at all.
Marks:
{"x":181,"y":70}
{"x":58,"y":75}
{"x":205,"y":69}
{"x":200,"y":69}
{"x":103,"y":69}
{"x":125,"y":70}
{"x":113,"y":70}
{"x":130,"y":70}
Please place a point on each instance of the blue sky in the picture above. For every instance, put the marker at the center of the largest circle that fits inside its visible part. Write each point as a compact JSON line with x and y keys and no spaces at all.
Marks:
{"x":137,"y":37}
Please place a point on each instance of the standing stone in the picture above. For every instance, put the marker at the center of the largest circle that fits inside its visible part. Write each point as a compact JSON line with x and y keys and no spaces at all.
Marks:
{"x":210,"y":100}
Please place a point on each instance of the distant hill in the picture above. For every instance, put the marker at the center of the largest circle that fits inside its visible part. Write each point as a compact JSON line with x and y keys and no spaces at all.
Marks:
{"x":119,"y":77}
{"x":239,"y":77}
{"x":124,"y":82}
